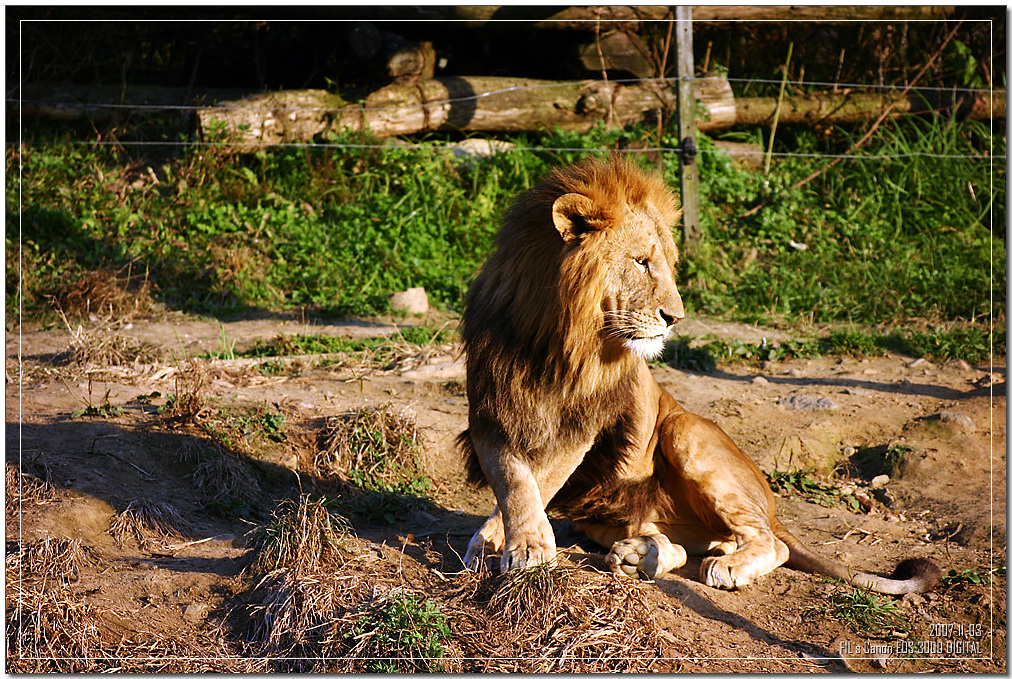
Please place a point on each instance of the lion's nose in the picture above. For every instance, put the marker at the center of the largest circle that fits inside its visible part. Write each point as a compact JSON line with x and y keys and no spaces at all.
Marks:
{"x":673,"y":312}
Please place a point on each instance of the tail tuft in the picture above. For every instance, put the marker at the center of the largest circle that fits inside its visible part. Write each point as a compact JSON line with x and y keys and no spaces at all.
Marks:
{"x":922,"y":571}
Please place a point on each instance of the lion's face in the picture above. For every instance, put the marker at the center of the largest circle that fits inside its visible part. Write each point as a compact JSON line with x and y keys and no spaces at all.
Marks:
{"x":634,"y":256}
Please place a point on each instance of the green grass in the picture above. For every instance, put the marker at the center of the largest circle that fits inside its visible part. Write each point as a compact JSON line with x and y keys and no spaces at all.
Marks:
{"x":406,"y":634}
{"x":904,"y":243}
{"x":865,"y":612}
{"x":958,"y":341}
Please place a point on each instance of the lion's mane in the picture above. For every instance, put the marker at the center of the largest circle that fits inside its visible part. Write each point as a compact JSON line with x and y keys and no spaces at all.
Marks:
{"x":533,"y":321}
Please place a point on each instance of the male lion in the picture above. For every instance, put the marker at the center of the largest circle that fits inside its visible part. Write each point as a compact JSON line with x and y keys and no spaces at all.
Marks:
{"x":565,"y":414}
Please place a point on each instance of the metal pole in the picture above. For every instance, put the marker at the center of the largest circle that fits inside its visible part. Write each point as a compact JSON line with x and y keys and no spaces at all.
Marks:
{"x":689,"y":183}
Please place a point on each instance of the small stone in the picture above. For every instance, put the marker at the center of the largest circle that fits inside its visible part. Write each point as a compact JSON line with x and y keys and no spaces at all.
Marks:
{"x":959,"y":364}
{"x":958,"y":419}
{"x":410,"y":301}
{"x":807,"y":402}
{"x":760,"y":380}
{"x":849,"y":450}
{"x":879,"y":481}
{"x":913,"y":599}
{"x":194,"y":612}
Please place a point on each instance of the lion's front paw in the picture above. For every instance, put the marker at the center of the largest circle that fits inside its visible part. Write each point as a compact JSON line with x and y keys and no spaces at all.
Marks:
{"x":645,"y":555}
{"x":479,"y":550}
{"x":723,"y":573}
{"x":529,"y":550}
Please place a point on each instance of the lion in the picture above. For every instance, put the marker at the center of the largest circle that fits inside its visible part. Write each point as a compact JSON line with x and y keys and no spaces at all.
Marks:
{"x":565,"y":416}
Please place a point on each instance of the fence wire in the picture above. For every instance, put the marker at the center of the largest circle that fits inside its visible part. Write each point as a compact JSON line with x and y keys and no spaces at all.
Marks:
{"x":141,"y":108}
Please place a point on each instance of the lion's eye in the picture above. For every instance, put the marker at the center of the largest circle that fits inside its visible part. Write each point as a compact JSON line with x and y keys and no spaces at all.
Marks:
{"x":643,"y":263}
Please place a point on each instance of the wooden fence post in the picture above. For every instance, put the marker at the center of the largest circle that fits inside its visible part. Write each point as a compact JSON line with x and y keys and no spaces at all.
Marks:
{"x":689,"y":182}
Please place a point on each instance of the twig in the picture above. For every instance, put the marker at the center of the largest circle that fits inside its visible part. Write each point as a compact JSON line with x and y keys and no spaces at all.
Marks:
{"x":776,"y":113}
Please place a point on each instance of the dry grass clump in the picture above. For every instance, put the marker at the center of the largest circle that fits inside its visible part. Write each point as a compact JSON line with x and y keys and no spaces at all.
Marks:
{"x":555,"y":618}
{"x":224,"y":477}
{"x":189,"y":402}
{"x":143,"y":517}
{"x":48,"y":630}
{"x":375,"y":448}
{"x":103,"y":347}
{"x":117,"y":295}
{"x":304,"y":537}
{"x":22,"y":489}
{"x":50,"y":560}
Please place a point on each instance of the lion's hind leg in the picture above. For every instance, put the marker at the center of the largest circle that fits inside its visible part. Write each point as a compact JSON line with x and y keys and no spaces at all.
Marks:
{"x":725,"y":490}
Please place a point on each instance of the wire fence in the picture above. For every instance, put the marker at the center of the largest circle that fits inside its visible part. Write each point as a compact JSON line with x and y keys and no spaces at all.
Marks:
{"x":143,"y":108}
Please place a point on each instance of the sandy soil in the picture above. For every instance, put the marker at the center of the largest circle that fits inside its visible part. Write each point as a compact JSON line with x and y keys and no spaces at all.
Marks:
{"x":948,"y":504}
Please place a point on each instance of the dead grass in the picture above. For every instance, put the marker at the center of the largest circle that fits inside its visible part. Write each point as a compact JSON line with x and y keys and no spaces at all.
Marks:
{"x":22,"y":489}
{"x":103,"y":346}
{"x":555,"y":618}
{"x":103,"y":293}
{"x":143,"y":519}
{"x":224,"y":477}
{"x":49,"y":560}
{"x":378,"y":445}
{"x":189,"y":402}
{"x":303,"y":537}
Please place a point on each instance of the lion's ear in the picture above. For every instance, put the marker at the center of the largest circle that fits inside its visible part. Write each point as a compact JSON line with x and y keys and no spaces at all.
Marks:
{"x":575,"y":214}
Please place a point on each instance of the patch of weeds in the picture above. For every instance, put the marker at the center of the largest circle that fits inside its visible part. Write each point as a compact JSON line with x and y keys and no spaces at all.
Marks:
{"x":303,"y":536}
{"x":375,"y":450}
{"x":866,"y":612}
{"x":246,"y":428}
{"x":105,"y":409}
{"x":404,"y":633}
{"x":801,"y":483}
{"x":959,"y":579}
{"x":681,"y":354}
{"x":271,"y":368}
{"x":854,"y":343}
{"x":971,"y":343}
{"x":870,"y":461}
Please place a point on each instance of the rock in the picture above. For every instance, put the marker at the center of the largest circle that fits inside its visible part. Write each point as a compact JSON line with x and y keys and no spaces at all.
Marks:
{"x":959,"y":364}
{"x":817,"y":447}
{"x":194,"y":612}
{"x":760,"y":380}
{"x":919,"y":363}
{"x":807,"y":402}
{"x":410,"y":301}
{"x":913,"y":599}
{"x":958,"y":420}
{"x":879,"y":481}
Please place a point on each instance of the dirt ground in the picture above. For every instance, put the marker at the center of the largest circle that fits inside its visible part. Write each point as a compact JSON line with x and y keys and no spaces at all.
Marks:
{"x":947,"y":504}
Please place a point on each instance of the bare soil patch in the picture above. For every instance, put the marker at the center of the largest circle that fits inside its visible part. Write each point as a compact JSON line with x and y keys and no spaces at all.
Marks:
{"x":133,"y":488}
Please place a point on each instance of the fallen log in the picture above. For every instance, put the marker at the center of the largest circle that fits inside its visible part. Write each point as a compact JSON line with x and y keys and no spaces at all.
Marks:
{"x":633,"y":17}
{"x":473,"y":104}
{"x":852,"y":107}
{"x":477,"y":104}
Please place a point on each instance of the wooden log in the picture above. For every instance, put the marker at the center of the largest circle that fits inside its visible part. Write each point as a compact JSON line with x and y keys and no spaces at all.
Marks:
{"x":634,"y":17}
{"x":854,"y":107}
{"x":475,"y":104}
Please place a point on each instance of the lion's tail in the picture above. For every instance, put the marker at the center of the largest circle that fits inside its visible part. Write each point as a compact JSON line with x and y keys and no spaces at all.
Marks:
{"x":912,"y":575}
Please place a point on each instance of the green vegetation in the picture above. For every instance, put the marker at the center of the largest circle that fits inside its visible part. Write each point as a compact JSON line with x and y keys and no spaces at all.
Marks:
{"x":865,"y":612}
{"x":801,"y":483}
{"x":891,"y":239}
{"x":406,"y":634}
{"x":967,"y":342}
